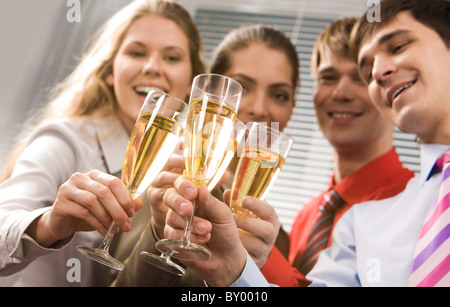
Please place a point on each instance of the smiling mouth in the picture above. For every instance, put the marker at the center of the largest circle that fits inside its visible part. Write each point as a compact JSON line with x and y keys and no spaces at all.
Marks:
{"x":343,"y":115}
{"x":144,"y":90}
{"x":396,"y":93}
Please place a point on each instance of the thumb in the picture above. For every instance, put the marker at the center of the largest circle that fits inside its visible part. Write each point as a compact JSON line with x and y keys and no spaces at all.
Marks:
{"x":138,"y":204}
{"x":227,"y":197}
{"x":213,"y":209}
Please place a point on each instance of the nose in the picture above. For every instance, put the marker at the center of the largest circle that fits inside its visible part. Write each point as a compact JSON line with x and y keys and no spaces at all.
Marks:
{"x":258,"y":108}
{"x":383,"y":69}
{"x":344,"y":91}
{"x":152,"y":66}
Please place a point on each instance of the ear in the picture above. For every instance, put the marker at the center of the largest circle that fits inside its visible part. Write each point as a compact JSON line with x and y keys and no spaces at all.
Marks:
{"x":110,"y":79}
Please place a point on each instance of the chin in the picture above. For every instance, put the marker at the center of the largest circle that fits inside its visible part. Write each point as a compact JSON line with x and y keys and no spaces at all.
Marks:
{"x":411,"y":123}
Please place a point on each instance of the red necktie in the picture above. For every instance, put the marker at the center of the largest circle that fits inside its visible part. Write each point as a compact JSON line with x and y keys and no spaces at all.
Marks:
{"x":321,"y":232}
{"x":431,"y":264}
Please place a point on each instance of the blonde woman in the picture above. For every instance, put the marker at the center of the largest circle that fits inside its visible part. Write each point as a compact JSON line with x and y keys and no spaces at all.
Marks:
{"x":265,"y":62}
{"x":62,"y":179}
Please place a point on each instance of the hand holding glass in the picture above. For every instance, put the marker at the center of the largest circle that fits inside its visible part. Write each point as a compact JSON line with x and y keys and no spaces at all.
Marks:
{"x":155,"y":135}
{"x":235,"y":143}
{"x":259,"y":165}
{"x":214,"y":102}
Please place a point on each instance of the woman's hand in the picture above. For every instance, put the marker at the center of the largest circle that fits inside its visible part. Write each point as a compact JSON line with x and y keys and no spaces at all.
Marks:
{"x":87,"y":201}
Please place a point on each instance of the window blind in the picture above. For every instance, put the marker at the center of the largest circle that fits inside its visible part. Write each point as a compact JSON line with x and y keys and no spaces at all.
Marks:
{"x":310,"y":163}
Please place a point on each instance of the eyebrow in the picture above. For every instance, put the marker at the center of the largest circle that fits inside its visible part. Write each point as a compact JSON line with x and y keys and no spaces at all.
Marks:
{"x":391,"y":35}
{"x":246,"y":78}
{"x":253,"y":81}
{"x":383,"y":40}
{"x":143,"y":45}
{"x":326,"y":70}
{"x":333,"y":69}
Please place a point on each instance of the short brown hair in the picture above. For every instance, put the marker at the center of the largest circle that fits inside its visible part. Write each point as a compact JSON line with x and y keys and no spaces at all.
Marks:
{"x":335,"y":38}
{"x":432,"y":13}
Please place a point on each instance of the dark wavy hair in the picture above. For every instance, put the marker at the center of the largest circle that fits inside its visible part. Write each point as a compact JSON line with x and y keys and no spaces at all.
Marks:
{"x":244,"y":36}
{"x":434,"y":14}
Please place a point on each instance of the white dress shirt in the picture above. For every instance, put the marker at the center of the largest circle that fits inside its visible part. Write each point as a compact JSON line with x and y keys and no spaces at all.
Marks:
{"x":374,"y":242}
{"x":55,"y":151}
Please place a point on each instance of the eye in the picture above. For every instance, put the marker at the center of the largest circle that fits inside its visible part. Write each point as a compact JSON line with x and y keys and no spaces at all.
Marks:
{"x":365,"y":75}
{"x":245,"y":89}
{"x":369,"y":77}
{"x":399,"y":46}
{"x":137,"y":54}
{"x":327,"y":79}
{"x":172,"y":58}
{"x":281,"y":96}
{"x":357,"y":80}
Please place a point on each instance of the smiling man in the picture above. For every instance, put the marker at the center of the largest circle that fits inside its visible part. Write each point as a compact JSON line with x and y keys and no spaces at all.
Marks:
{"x":399,"y":241}
{"x":403,"y":240}
{"x":366,"y":166}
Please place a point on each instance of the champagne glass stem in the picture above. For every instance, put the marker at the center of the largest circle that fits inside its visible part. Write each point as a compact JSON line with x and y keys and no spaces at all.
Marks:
{"x":108,"y":238}
{"x":188,"y":228}
{"x":166,"y":257}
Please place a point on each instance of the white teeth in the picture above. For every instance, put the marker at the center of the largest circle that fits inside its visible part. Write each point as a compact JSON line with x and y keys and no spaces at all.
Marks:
{"x":145,"y":89}
{"x":404,"y":87}
{"x":342,"y":115}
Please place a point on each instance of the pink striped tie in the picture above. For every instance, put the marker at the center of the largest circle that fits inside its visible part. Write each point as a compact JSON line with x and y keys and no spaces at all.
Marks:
{"x":431,"y":264}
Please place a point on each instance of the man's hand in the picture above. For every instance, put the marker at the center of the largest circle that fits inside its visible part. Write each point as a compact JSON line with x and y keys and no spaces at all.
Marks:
{"x":259,"y":231}
{"x":216,"y":229}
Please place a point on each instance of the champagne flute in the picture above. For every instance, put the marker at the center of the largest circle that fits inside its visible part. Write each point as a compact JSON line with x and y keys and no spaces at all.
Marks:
{"x":259,"y":165}
{"x":154,"y":137}
{"x":235,"y":145}
{"x":214,"y":102}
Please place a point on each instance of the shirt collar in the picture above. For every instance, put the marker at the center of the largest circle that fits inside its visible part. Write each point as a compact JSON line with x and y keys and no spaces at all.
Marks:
{"x":368,"y":177}
{"x":429,"y":153}
{"x":113,"y":139}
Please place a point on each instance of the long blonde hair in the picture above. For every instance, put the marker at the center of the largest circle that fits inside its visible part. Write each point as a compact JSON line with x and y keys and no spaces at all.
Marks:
{"x":85,"y":93}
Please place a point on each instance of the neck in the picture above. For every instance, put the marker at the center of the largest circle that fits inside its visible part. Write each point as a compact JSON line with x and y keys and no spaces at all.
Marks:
{"x":350,"y":159}
{"x":439,"y":136}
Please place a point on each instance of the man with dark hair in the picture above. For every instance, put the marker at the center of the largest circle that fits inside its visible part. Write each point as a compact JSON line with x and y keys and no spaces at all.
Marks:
{"x":399,"y":241}
{"x":366,"y":166}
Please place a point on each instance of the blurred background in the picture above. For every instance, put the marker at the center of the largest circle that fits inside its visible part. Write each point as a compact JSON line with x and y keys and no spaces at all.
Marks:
{"x":42,"y":41}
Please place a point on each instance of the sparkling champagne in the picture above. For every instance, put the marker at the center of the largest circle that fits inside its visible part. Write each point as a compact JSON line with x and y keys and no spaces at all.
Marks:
{"x":149,"y":148}
{"x":258,"y":170}
{"x":208,"y":130}
{"x":227,"y":157}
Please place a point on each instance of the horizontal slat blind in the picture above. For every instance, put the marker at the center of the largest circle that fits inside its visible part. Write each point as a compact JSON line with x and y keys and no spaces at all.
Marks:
{"x":309,"y":165}
{"x":310,"y":162}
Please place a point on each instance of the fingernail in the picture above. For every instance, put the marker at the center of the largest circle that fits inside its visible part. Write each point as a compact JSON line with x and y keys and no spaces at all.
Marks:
{"x":248,"y":202}
{"x":126,"y":227}
{"x":188,"y":192}
{"x":130,"y":212}
{"x":201,"y":226}
{"x":183,"y":207}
